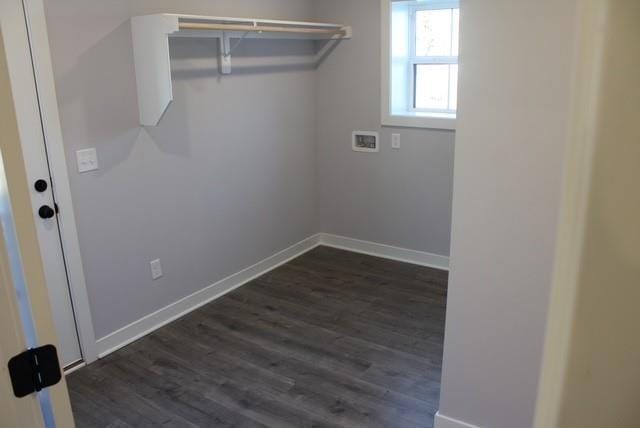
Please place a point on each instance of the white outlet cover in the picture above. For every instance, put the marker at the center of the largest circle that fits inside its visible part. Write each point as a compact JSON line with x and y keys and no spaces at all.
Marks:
{"x":87,"y":160}
{"x":156,"y":269}
{"x":395,"y":141}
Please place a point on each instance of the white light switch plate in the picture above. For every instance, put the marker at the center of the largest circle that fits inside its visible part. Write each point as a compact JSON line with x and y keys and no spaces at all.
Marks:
{"x":156,"y":269}
{"x":395,"y":141}
{"x":87,"y":160}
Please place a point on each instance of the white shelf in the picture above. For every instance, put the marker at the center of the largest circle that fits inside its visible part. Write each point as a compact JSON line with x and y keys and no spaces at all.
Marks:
{"x":151,"y":34}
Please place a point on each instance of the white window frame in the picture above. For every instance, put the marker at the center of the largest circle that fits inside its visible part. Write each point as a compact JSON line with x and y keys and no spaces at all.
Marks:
{"x":412,"y":117}
{"x":415,"y":60}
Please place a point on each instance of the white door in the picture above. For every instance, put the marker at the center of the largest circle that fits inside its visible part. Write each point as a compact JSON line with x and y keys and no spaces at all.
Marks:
{"x":15,"y":32}
{"x":25,"y":316}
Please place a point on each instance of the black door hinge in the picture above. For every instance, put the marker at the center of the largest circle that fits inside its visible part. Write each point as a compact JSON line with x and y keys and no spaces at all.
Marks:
{"x":34,"y":370}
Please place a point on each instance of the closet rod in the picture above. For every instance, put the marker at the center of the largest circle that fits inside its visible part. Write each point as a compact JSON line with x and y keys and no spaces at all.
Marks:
{"x":260,"y":29}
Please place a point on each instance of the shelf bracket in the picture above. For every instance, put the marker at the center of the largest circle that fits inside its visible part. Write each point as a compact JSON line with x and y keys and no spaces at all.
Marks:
{"x":150,"y":36}
{"x":225,"y":53}
{"x":226,"y":50}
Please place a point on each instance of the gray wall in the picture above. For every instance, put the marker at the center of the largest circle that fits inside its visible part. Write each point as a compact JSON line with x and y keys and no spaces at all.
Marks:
{"x":400,"y":198}
{"x":240,"y":166}
{"x":513,"y":125}
{"x":227,"y":179}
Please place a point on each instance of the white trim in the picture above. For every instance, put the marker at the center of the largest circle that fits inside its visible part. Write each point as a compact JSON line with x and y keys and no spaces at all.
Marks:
{"x":149,"y":323}
{"x":155,"y":320}
{"x":585,"y":120}
{"x":442,"y":421}
{"x":435,"y":4}
{"x":385,"y":62}
{"x":41,"y":56}
{"x":418,"y":120}
{"x":386,"y":251}
{"x":74,"y":367}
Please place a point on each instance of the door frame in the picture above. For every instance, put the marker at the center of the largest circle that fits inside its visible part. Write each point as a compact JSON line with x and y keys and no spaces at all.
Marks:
{"x":573,"y":216}
{"x":47,"y":104}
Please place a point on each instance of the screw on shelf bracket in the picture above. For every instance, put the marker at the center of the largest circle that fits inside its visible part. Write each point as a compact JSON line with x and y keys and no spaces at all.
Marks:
{"x":226,"y":50}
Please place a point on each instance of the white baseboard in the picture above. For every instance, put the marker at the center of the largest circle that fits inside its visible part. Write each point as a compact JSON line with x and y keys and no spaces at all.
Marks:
{"x":442,"y":421}
{"x":73,"y":368}
{"x":155,"y":320}
{"x":387,"y":251}
{"x":137,"y":329}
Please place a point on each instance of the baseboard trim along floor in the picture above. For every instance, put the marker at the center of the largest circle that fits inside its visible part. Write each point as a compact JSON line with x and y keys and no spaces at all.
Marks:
{"x":442,"y":421}
{"x":386,"y":251}
{"x":169,"y":313}
{"x":155,"y":320}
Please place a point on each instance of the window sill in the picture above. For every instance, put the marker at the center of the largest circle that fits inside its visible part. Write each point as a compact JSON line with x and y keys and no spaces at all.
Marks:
{"x":421,"y":120}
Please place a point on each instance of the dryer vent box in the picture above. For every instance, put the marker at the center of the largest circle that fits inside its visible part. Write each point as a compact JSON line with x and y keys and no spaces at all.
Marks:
{"x":363,"y":141}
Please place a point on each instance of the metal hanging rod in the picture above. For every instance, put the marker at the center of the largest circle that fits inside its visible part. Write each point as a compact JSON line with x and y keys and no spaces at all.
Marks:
{"x":261,"y":28}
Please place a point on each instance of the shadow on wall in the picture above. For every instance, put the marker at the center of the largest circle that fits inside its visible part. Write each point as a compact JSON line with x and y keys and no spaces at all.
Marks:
{"x":199,"y":57}
{"x":97,"y":93}
{"x":100,"y":91}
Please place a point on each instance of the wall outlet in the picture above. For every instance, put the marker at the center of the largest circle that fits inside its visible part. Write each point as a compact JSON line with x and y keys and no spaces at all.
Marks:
{"x":87,"y":160}
{"x":395,"y":141}
{"x":156,"y":269}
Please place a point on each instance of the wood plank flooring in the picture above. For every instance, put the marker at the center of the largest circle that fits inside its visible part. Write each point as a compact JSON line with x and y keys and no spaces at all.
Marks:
{"x":332,"y":338}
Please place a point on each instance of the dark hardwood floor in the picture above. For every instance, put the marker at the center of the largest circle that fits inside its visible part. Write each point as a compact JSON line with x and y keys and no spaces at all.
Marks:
{"x":332,"y":338}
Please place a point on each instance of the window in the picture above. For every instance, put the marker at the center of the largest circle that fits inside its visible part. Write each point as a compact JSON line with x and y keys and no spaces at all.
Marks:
{"x":420,"y":63}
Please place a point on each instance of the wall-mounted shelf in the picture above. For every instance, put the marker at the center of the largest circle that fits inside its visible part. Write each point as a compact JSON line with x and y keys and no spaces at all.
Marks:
{"x":151,"y":34}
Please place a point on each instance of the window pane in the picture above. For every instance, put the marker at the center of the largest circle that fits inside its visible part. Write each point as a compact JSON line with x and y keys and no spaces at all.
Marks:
{"x":453,"y":87}
{"x":456,"y":32}
{"x":433,"y":32}
{"x":399,"y":30}
{"x":432,"y":87}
